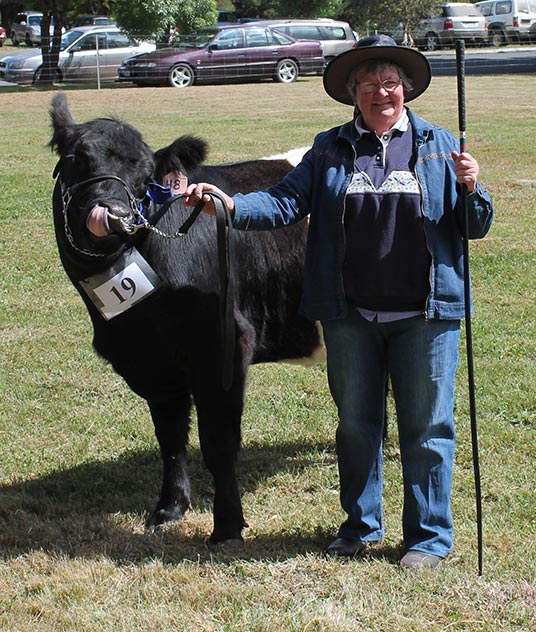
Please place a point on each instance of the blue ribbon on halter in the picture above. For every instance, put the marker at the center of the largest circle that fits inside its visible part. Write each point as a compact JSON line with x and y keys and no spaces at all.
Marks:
{"x":157,"y":193}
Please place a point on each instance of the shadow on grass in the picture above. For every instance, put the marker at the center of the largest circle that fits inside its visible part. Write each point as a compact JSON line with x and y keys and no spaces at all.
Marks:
{"x":99,"y":509}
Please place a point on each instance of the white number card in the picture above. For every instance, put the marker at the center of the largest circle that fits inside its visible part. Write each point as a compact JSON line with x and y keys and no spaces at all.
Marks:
{"x":127,"y":282}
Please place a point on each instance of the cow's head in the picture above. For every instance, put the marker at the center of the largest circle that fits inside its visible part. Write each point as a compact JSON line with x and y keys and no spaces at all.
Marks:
{"x":105,"y":166}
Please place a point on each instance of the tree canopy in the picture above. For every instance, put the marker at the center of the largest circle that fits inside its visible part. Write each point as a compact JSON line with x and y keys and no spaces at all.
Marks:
{"x":146,"y":18}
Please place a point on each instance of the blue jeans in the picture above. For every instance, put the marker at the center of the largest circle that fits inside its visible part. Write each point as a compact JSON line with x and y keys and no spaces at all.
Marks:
{"x":420,"y":357}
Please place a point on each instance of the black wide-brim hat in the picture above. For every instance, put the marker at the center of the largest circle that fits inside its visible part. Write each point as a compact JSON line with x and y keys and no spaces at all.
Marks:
{"x":414,"y":64}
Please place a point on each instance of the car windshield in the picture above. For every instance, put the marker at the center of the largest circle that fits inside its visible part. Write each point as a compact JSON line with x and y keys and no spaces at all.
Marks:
{"x":35,"y":20}
{"x":69,"y":38}
{"x":198,"y":39}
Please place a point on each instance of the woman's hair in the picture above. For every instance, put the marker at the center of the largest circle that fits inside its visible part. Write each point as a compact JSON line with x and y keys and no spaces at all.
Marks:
{"x":376,"y":66}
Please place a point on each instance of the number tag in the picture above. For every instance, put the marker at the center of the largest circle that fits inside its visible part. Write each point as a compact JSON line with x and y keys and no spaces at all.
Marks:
{"x":127,"y":282}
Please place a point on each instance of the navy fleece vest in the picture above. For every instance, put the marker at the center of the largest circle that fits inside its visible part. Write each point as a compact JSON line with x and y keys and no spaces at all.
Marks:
{"x":387,"y":262}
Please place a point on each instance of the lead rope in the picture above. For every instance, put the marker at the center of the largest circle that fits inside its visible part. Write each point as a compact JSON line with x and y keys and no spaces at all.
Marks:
{"x":226,"y":253}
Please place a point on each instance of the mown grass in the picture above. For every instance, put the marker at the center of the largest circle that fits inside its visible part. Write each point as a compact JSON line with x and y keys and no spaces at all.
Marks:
{"x":79,"y":463}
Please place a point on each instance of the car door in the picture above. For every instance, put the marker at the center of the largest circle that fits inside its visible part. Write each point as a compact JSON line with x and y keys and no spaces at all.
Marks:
{"x":96,"y":55}
{"x":225,"y":56}
{"x":79,"y":61}
{"x":262,"y":51}
{"x":116,"y":47}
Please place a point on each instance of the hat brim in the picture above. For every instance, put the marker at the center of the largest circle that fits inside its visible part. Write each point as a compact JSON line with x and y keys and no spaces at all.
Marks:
{"x":414,"y":64}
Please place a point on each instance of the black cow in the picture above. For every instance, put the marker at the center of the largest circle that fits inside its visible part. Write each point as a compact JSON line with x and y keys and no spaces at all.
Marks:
{"x":168,"y":347}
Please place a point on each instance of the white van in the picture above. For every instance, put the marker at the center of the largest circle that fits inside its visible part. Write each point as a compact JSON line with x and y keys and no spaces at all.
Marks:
{"x":509,"y":20}
{"x":336,"y":37}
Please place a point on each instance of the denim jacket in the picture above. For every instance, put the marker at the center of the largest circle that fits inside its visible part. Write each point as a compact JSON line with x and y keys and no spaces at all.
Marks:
{"x":317,"y":188}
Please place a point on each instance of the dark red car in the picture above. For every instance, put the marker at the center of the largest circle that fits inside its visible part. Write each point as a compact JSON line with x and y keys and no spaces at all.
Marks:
{"x":226,"y":53}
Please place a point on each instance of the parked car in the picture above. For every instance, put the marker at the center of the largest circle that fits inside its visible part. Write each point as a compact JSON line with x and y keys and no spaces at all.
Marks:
{"x":88,"y":20}
{"x":336,"y":37}
{"x":509,"y":20}
{"x":455,"y":20}
{"x":26,"y":27}
{"x":86,"y":53}
{"x":3,"y":35}
{"x":225,"y":53}
{"x":226,"y":17}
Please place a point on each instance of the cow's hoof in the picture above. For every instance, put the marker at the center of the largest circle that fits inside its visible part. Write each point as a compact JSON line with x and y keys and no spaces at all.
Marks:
{"x":227,"y":542}
{"x":161,"y":517}
{"x":228,"y":530}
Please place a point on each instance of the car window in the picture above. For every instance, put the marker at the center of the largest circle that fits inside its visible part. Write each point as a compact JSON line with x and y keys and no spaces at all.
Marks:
{"x":69,"y":38}
{"x":486,"y":9}
{"x":198,"y":39}
{"x":259,"y":37}
{"x":87,"y":43}
{"x":333,"y":33}
{"x":303,"y":32}
{"x":503,"y":8}
{"x":231,"y":38}
{"x":459,"y":10}
{"x":281,"y":38}
{"x":35,"y":20}
{"x":118,"y":40}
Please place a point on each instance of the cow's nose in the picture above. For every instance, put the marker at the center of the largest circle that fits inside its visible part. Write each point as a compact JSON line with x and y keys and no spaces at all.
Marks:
{"x":116,"y":208}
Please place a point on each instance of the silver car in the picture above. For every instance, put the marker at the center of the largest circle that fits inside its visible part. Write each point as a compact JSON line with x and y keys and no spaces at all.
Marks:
{"x":336,"y":37}
{"x":455,"y":20}
{"x":87,"y":54}
{"x":26,"y":27}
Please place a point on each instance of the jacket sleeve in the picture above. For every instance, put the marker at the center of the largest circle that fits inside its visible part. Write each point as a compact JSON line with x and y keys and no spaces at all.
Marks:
{"x":479,"y":211}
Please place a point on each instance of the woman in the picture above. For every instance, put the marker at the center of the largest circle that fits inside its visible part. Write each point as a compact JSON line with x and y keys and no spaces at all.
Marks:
{"x":384,"y":275}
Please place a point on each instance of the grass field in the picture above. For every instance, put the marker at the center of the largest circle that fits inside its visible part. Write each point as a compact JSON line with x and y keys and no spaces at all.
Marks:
{"x":79,"y":466}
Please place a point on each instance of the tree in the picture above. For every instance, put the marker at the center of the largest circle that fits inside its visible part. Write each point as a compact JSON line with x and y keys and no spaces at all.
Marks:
{"x":153,"y":18}
{"x":50,"y":51}
{"x":369,"y":16}
{"x":288,"y":8}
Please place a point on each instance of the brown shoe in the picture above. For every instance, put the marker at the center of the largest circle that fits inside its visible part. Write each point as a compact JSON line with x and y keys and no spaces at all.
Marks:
{"x":419,"y":559}
{"x":345,"y":547}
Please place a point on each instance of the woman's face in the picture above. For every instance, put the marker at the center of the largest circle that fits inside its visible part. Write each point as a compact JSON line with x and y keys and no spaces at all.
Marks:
{"x":380,"y":98}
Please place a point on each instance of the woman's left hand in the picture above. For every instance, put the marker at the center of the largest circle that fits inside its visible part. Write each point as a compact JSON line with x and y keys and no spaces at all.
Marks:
{"x":466,"y":169}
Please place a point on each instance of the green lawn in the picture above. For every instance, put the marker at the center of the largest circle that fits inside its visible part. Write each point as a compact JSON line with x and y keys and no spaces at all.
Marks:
{"x":79,"y":462}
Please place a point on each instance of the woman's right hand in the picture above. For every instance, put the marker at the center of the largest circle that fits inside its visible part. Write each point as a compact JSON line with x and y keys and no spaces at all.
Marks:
{"x":195,"y":192}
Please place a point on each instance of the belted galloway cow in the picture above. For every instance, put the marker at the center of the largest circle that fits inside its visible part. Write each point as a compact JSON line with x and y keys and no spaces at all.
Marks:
{"x":154,"y":302}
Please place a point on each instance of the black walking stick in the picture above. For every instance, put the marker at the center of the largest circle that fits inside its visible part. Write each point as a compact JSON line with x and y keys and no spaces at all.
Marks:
{"x":460,"y":73}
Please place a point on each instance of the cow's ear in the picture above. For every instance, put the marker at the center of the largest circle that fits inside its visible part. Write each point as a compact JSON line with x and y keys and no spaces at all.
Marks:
{"x":184,"y":154}
{"x":62,"y":122}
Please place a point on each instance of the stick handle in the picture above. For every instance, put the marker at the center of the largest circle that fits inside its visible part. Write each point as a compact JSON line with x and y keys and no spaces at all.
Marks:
{"x":460,"y":74}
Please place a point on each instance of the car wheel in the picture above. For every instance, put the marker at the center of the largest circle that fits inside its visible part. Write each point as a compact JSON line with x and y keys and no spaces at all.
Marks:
{"x":431,"y":42}
{"x":496,"y":38}
{"x":39,"y":71}
{"x":181,"y":76}
{"x":28,"y":41}
{"x":14,"y":39}
{"x":286,"y":71}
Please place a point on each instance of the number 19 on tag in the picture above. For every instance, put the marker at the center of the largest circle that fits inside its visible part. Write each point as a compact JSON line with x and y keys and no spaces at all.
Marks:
{"x":126,"y":291}
{"x":123,"y":290}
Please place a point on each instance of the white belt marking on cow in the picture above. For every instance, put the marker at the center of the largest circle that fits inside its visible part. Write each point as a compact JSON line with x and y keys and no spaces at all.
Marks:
{"x":293,"y":156}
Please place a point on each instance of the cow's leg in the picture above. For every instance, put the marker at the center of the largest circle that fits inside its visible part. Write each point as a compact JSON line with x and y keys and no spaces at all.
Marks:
{"x":219,"y":415}
{"x":219,"y":436}
{"x":171,"y":422}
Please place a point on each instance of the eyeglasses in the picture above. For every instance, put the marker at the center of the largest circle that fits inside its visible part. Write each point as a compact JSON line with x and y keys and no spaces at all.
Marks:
{"x":369,"y":87}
